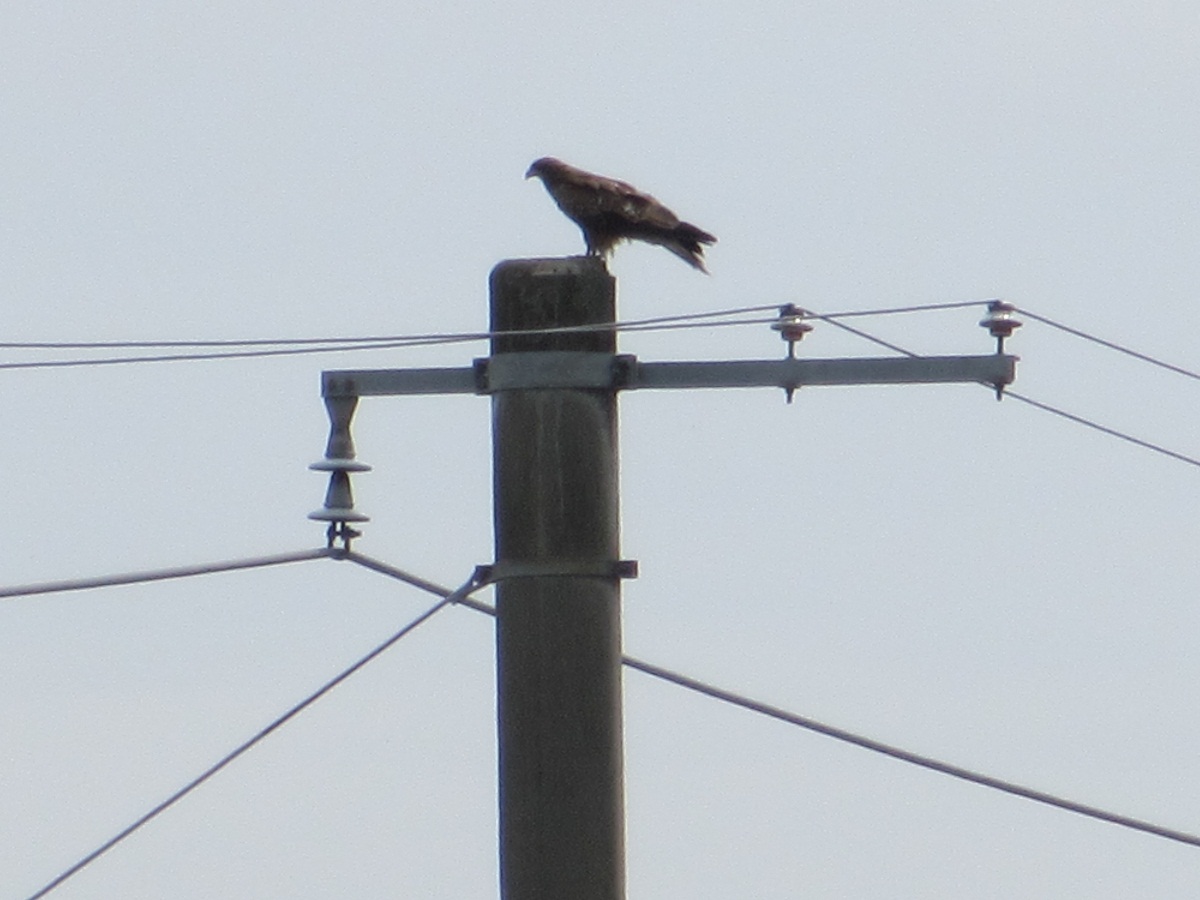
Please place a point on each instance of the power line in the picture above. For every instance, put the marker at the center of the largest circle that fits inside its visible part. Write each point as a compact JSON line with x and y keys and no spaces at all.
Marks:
{"x":1144,"y":357}
{"x":459,"y":337}
{"x":252,"y":348}
{"x":439,"y":337}
{"x":659,"y":324}
{"x":831,"y":731}
{"x":1111,"y":345}
{"x":1046,"y":407}
{"x":907,"y":756}
{"x":895,"y":348}
{"x":1104,"y":429}
{"x":449,"y":598}
{"x":290,"y":346}
{"x":83,"y":584}
{"x":461,"y":596}
{"x":198,"y":357}
{"x":366,"y":344}
{"x":893,"y":310}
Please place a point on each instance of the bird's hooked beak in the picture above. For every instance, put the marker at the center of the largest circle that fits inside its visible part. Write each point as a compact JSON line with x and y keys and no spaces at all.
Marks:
{"x":538,"y":167}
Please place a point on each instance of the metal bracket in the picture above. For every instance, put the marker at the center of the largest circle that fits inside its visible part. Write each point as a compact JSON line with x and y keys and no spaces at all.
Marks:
{"x":504,"y":569}
{"x":551,"y":370}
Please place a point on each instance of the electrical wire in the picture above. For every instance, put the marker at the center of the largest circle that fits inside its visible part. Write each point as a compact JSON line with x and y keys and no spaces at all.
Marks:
{"x":880,"y":342}
{"x":449,"y":598}
{"x":83,"y":584}
{"x":250,"y":348}
{"x":452,"y":337}
{"x":1046,"y":407}
{"x":1103,"y":429}
{"x":198,"y":357}
{"x":1144,"y":357}
{"x":443,"y":337}
{"x":266,"y":347}
{"x":408,"y":578}
{"x":832,"y":318}
{"x":893,"y":310}
{"x":461,"y":596}
{"x":662,"y":323}
{"x":917,"y":759}
{"x":839,"y":734}
{"x":297,"y":346}
{"x":379,"y":345}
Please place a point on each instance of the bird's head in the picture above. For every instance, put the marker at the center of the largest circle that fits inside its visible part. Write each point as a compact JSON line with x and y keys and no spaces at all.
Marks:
{"x":545,"y":166}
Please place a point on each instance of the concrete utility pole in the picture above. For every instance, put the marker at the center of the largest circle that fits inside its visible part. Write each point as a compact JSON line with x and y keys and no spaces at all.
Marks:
{"x":558,"y":606}
{"x":556,"y":568}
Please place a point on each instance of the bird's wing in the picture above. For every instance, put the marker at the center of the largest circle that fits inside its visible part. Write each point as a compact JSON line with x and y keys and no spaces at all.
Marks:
{"x":638,"y":207}
{"x":584,"y":195}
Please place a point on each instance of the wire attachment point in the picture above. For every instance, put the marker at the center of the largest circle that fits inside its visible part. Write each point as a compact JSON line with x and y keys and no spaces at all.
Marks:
{"x":792,"y":327}
{"x":1000,"y":323}
{"x":340,"y":531}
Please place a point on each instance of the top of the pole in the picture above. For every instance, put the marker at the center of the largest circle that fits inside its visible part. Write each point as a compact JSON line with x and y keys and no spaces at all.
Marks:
{"x":554,"y":265}
{"x":533,"y":294}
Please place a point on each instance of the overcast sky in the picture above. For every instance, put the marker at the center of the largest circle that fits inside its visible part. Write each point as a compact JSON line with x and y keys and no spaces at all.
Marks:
{"x":985,"y":583}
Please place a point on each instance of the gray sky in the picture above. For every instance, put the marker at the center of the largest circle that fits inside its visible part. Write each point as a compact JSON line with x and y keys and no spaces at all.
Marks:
{"x":976,"y":581}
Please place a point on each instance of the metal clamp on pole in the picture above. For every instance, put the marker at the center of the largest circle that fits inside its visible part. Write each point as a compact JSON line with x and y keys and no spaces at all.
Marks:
{"x":550,"y":370}
{"x":504,"y":569}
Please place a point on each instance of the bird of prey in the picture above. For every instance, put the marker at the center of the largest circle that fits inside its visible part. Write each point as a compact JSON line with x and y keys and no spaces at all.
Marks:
{"x":610,"y":211}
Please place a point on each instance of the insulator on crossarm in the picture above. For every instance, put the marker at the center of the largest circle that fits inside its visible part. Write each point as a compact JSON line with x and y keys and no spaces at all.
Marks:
{"x":339,"y":501}
{"x":341,"y":412}
{"x":1000,"y":322}
{"x":339,"y":509}
{"x":339,"y":462}
{"x":792,"y":327}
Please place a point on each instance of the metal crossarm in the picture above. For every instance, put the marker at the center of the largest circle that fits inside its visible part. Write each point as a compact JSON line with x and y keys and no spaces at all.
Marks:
{"x":556,"y":370}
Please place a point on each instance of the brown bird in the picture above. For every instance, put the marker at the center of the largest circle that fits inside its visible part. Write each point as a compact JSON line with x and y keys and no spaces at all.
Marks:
{"x":610,"y":211}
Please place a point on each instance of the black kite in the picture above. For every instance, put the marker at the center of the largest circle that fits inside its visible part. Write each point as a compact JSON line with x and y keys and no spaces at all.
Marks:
{"x":610,"y":211}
